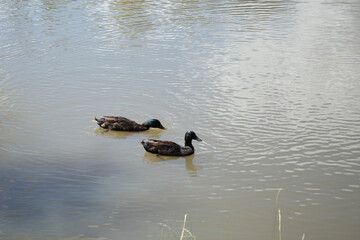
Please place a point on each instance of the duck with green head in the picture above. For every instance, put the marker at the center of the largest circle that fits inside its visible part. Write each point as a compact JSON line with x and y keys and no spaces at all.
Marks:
{"x":125,"y":124}
{"x":169,"y":148}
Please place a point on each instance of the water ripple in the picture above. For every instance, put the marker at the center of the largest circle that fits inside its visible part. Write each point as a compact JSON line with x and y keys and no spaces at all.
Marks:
{"x":275,"y":102}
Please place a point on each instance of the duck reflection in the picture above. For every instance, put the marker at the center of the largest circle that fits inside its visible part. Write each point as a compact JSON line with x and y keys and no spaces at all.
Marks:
{"x":192,"y":168}
{"x":153,"y":133}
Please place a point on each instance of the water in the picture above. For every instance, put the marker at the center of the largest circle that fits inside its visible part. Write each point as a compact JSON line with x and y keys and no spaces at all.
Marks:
{"x":272,"y":87}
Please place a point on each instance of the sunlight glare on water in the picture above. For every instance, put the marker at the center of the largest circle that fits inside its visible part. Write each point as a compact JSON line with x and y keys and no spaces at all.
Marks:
{"x":271,"y":87}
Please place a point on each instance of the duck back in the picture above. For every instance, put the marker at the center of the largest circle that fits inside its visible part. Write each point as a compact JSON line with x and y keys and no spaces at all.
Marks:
{"x":119,"y":124}
{"x":166,"y":148}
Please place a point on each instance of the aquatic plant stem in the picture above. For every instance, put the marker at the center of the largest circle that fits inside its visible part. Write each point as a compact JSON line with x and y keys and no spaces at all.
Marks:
{"x":183,"y":230}
{"x":279,"y":224}
{"x":276,"y":210}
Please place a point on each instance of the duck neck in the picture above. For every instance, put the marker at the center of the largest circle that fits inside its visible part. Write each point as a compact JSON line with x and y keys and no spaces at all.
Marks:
{"x":188,"y":143}
{"x":145,"y":125}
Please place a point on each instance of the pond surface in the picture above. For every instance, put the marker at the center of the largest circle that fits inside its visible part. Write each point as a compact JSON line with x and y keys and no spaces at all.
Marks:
{"x":272,"y":88}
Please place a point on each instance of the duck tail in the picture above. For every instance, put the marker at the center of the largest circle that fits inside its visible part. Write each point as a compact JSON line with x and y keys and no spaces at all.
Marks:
{"x":97,"y":121}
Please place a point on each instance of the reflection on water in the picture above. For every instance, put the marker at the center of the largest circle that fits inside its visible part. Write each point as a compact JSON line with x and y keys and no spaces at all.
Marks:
{"x":189,"y":165}
{"x":124,"y":135}
{"x":270,"y":86}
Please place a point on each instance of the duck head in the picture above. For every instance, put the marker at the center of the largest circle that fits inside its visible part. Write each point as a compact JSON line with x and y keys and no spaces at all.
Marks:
{"x":190,"y":135}
{"x":153,"y":123}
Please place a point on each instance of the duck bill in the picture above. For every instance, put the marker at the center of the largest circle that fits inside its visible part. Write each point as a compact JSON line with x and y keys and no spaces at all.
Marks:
{"x":198,"y":139}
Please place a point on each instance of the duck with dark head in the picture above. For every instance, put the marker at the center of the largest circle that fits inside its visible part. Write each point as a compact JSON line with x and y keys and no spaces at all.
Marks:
{"x":169,"y":148}
{"x":125,"y":124}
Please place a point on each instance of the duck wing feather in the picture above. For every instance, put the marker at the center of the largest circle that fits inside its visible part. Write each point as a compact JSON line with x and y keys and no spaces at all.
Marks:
{"x":120,"y":124}
{"x":162,"y":147}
